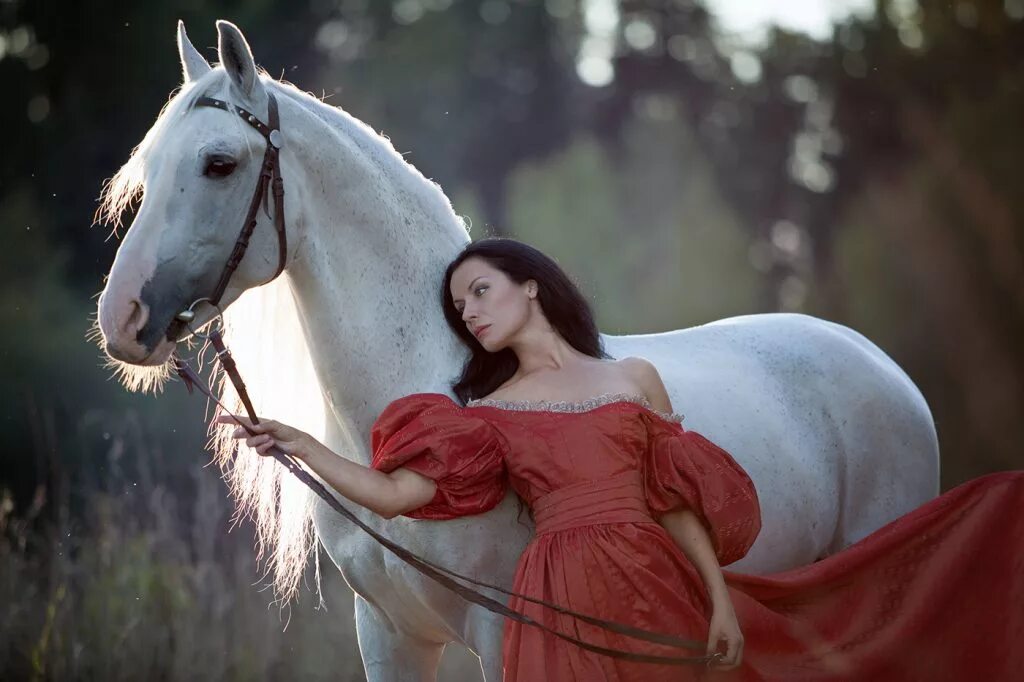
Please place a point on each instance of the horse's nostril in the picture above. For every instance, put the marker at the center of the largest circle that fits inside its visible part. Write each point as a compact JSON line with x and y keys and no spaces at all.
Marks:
{"x":137,"y":318}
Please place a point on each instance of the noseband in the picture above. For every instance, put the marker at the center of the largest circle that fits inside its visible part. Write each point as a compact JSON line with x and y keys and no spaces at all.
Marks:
{"x":270,"y":175}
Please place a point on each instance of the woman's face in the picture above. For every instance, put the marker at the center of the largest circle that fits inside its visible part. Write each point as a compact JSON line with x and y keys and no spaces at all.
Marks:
{"x":488,"y":300}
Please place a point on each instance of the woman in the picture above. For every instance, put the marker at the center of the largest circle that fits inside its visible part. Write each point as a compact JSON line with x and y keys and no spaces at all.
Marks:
{"x":635,"y":515}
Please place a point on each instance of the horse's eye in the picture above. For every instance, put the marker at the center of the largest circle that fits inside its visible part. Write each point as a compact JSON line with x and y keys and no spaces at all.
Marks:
{"x":219,"y":168}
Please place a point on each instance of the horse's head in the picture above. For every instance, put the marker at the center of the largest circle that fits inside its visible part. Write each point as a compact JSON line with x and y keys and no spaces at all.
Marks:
{"x":197,"y":170}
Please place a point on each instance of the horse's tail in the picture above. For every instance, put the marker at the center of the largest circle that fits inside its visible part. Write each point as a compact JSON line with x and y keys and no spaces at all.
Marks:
{"x":263,"y":331}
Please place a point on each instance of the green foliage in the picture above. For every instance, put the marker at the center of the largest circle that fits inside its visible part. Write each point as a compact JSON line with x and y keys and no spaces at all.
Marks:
{"x":644,"y":225}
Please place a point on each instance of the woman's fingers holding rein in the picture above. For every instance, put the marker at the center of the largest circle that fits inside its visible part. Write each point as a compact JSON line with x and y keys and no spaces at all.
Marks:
{"x":262,"y":427}
{"x":231,"y":419}
{"x":266,"y":435}
{"x":260,"y":438}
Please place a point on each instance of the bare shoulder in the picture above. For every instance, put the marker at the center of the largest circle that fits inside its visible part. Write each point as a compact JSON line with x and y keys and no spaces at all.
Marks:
{"x":645,"y":375}
{"x":639,"y":369}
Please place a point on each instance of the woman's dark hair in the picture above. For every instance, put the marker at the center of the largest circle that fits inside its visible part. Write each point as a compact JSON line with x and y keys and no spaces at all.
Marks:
{"x":563,"y":305}
{"x":559,"y":298}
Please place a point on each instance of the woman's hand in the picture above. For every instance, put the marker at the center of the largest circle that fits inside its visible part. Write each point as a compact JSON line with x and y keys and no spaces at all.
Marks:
{"x":725,"y":628}
{"x":269,"y":432}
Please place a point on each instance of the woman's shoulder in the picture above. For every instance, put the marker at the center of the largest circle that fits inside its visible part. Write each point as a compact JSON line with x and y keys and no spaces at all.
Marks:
{"x":645,"y":376}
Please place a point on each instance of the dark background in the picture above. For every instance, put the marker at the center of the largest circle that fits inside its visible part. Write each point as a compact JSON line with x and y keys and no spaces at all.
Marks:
{"x":870,"y":175}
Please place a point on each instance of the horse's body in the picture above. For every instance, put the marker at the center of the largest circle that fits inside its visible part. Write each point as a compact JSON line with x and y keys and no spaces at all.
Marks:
{"x":835,"y":436}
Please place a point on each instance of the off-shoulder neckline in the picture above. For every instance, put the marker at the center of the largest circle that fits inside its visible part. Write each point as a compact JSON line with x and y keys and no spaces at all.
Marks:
{"x":574,"y":406}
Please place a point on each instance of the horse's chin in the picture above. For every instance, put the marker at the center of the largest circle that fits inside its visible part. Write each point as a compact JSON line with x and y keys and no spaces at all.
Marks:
{"x":147,"y":375}
{"x":160,"y":355}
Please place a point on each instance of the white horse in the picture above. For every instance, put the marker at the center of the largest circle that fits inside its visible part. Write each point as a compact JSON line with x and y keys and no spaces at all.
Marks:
{"x":835,"y":436}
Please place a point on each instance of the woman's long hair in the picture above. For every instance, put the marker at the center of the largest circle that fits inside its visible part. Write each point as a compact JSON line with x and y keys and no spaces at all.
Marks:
{"x":563,"y":305}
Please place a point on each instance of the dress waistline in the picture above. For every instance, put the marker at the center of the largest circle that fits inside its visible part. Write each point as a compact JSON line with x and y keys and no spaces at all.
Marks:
{"x":616,"y":499}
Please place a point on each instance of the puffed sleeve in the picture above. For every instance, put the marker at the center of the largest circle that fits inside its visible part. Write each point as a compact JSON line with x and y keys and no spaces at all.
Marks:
{"x":684,"y":469}
{"x":461,"y":452}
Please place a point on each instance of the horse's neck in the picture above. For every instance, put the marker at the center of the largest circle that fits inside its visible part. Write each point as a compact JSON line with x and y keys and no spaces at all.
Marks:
{"x":369,"y":255}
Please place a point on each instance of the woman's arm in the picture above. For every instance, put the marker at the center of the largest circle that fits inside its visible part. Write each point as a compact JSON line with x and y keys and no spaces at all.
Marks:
{"x":687,"y":530}
{"x":388,"y":494}
{"x":683,"y":525}
{"x":689,"y":533}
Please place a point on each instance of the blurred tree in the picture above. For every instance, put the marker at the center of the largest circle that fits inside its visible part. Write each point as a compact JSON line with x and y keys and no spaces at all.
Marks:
{"x":638,"y":227}
{"x":924,"y":97}
{"x":747,"y":123}
{"x":480,"y":86}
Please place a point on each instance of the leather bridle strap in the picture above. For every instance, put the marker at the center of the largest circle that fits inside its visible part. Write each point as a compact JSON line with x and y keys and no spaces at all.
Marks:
{"x":269,"y":178}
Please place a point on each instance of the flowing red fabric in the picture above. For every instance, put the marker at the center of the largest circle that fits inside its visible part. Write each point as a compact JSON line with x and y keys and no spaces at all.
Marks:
{"x":937,"y":594}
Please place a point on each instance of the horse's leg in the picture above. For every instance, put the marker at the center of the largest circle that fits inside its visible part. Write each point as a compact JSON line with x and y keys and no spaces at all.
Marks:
{"x":390,"y":655}
{"x":484,"y":633}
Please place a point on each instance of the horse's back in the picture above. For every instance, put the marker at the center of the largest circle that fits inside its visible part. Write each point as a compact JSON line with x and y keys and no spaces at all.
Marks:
{"x":830,"y":427}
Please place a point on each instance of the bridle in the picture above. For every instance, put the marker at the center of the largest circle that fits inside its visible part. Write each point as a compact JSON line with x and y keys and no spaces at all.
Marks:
{"x":270,"y":174}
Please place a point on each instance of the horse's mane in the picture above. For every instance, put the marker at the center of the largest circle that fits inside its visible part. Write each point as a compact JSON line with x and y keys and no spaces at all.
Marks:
{"x":276,"y":365}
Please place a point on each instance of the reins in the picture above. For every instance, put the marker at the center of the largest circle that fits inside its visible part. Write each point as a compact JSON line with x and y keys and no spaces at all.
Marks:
{"x":270,"y":175}
{"x":434,"y":571}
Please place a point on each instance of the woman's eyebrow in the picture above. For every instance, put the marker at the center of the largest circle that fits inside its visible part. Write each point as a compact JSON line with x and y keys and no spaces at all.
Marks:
{"x":469,"y":288}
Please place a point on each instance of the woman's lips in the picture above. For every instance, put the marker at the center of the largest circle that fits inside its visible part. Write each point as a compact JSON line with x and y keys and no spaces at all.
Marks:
{"x":482,"y":330}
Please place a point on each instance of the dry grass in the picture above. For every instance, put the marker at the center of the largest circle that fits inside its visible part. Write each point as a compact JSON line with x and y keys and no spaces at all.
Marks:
{"x":138,"y":575}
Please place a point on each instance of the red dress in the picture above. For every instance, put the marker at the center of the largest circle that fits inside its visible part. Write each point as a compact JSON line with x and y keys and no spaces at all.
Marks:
{"x":937,"y":594}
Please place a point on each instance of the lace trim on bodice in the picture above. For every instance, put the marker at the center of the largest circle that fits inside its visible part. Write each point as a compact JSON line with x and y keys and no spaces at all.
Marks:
{"x":573,"y":405}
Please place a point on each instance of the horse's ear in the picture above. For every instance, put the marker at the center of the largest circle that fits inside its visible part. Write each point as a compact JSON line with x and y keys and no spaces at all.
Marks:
{"x":193,"y":66}
{"x":236,"y":57}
